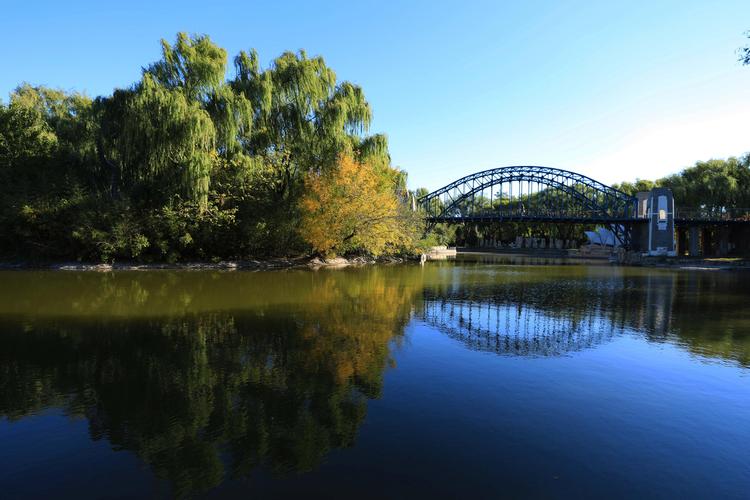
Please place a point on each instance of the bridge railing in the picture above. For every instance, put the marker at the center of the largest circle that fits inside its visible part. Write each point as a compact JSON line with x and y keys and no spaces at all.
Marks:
{"x":713,"y":214}
{"x":524,"y":212}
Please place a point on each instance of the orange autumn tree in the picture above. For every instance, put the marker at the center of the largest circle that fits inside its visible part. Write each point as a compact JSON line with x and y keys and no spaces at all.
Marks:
{"x":354,"y":208}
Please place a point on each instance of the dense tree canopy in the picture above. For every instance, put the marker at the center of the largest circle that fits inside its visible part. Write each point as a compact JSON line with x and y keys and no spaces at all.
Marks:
{"x":184,"y":163}
{"x":713,"y":186}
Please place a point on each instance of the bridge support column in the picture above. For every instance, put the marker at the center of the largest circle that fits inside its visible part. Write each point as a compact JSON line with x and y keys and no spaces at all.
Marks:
{"x":706,"y":242}
{"x":723,"y":241}
{"x":740,"y":239}
{"x":681,"y":241}
{"x":694,"y":241}
{"x":639,"y":238}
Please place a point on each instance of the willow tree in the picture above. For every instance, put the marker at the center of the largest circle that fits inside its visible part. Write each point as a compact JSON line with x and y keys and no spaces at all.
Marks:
{"x":168,"y":138}
{"x":715,"y":185}
{"x":50,"y":117}
{"x":24,"y":135}
{"x":167,"y":130}
{"x":46,"y":140}
{"x":302,"y":117}
{"x":196,"y":67}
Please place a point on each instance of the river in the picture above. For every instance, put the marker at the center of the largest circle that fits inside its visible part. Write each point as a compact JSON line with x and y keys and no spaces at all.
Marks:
{"x":483,"y":377}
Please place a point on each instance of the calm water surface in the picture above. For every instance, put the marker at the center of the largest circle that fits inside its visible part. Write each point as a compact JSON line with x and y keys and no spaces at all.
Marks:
{"x":480,"y":378}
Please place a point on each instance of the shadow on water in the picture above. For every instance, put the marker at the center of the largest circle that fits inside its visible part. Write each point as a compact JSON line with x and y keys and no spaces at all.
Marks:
{"x":210,"y":376}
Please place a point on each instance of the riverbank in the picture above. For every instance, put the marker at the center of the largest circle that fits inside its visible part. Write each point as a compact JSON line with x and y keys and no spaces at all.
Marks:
{"x":679,"y":263}
{"x":697,"y":263}
{"x":631,"y":259}
{"x":232,"y":265}
{"x":534,"y":252}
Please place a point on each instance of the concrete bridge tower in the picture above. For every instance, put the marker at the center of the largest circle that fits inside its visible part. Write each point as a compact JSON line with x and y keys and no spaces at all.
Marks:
{"x":660,"y":214}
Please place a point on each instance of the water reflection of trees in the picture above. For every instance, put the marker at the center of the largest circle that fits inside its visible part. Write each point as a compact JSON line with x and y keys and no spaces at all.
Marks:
{"x":202,"y":396}
{"x":551,"y":311}
{"x":709,"y":315}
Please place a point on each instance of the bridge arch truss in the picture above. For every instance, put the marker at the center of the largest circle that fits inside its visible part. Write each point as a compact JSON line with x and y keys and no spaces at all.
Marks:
{"x":528,"y":193}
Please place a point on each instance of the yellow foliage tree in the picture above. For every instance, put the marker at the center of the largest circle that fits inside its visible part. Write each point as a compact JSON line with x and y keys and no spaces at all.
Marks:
{"x":354,"y":207}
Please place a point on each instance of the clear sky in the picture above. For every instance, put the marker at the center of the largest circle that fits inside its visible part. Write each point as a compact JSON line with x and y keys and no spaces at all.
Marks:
{"x":614,"y":90}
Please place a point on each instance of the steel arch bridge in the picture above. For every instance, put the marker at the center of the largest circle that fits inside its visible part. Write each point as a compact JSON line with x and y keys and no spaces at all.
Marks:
{"x":531,"y":193}
{"x":528,"y":193}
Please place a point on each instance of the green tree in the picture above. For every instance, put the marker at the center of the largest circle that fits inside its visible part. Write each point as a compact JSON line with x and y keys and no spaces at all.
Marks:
{"x":303,"y":118}
{"x":166,"y":131}
{"x":714,"y":186}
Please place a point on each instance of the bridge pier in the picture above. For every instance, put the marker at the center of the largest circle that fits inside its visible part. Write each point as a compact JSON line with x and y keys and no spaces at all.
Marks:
{"x":723,"y":241}
{"x":639,"y":238}
{"x":740,"y":238}
{"x":682,"y":240}
{"x":706,"y":242}
{"x":694,"y":241}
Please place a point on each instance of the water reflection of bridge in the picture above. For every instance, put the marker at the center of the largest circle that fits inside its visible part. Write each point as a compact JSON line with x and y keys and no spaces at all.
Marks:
{"x":586,"y":307}
{"x":516,"y":330}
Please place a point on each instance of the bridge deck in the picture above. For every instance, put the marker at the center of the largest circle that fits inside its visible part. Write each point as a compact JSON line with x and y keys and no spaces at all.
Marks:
{"x":588,"y":219}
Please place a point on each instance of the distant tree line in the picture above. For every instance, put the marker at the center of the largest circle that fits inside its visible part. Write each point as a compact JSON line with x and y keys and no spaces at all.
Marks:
{"x":713,"y":186}
{"x":189,"y":164}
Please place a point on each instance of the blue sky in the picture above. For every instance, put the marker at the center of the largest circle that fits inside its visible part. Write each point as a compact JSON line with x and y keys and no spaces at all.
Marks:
{"x":614,"y":90}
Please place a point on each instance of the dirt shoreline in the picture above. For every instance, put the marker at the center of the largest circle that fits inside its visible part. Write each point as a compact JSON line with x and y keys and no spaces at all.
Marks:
{"x":230,"y":265}
{"x":674,"y":263}
{"x":685,"y":264}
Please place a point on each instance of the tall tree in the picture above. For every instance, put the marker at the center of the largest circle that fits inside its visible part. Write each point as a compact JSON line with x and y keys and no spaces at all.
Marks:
{"x":303,"y":119}
{"x":41,"y":117}
{"x":167,"y":130}
{"x":168,"y":138}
